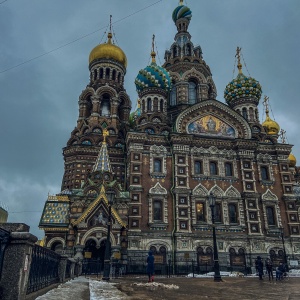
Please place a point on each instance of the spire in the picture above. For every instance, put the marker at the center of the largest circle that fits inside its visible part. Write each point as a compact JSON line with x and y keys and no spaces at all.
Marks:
{"x":103,"y":162}
{"x":109,"y":35}
{"x":266,"y":105}
{"x":238,"y":55}
{"x":153,"y":54}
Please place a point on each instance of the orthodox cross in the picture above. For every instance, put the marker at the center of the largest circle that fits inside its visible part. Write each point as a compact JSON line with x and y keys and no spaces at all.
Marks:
{"x":153,"y":54}
{"x":282,"y":135}
{"x":266,"y":104}
{"x":238,"y":56}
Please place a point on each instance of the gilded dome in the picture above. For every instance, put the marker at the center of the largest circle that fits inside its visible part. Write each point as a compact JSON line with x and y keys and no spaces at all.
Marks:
{"x":108,"y":51}
{"x":292,"y":160}
{"x":271,"y":126}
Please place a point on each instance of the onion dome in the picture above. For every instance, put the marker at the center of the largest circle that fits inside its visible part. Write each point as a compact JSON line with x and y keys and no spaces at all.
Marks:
{"x":270,"y":125}
{"x":242,"y":86}
{"x":153,"y":76}
{"x":108,"y":51}
{"x":292,"y":160}
{"x":181,"y":11}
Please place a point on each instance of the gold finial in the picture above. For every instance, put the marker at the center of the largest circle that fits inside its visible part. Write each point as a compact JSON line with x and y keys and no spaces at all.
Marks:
{"x":139,"y":103}
{"x":105,"y":133}
{"x":109,"y":35}
{"x":181,"y":2}
{"x":238,"y":55}
{"x":282,"y":135}
{"x":266,"y":104}
{"x":153,"y":54}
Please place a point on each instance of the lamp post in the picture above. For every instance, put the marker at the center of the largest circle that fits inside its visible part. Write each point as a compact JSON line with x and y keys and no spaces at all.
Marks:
{"x":283,"y":246}
{"x":212,"y":203}
{"x":107,"y":254}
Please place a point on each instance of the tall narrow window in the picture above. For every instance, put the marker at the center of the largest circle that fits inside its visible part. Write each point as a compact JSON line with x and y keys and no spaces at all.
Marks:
{"x":157,"y":211}
{"x":218,"y":213}
{"x":161,"y":106}
{"x":157,"y":165}
{"x":228,"y":169}
{"x":264,"y":173}
{"x":232,"y":213}
{"x":213,"y":168}
{"x":114,"y":75}
{"x":270,"y":215}
{"x":244,"y":111}
{"x":101,"y":73}
{"x":200,"y":211}
{"x":105,"y":106}
{"x":198,"y":167}
{"x":192,"y":92}
{"x":173,"y":96}
{"x":95,"y":74}
{"x":148,"y":104}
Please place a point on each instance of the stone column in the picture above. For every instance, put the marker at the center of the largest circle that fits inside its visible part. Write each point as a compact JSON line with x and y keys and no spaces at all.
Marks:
{"x":79,"y":251}
{"x":16,"y":266}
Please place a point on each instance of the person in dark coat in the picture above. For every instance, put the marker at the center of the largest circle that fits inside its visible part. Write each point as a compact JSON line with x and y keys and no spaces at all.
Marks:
{"x":150,"y":266}
{"x":259,"y":267}
{"x":280,"y":271}
{"x":269,"y":268}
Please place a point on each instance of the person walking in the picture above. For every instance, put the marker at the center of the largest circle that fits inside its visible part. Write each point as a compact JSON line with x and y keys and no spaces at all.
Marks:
{"x":269,"y":267}
{"x":280,"y":271}
{"x":150,"y":266}
{"x":259,"y":267}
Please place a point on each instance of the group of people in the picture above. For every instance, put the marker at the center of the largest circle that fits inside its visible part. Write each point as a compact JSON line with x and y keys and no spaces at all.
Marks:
{"x":280,"y":270}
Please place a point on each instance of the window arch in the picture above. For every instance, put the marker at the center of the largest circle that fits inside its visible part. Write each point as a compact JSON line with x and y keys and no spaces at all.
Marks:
{"x":149,"y":104}
{"x":192,"y":92}
{"x":244,"y":112}
{"x":173,"y":96}
{"x":105,"y":105}
{"x":107,"y":73}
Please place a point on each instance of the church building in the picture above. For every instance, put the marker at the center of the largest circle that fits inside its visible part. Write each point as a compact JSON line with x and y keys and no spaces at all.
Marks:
{"x":157,"y":166}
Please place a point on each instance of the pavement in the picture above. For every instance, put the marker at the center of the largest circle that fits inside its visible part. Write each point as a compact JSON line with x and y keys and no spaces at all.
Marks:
{"x":175,"y":288}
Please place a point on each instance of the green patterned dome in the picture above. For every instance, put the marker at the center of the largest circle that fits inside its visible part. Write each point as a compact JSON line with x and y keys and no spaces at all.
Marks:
{"x":242,"y":87}
{"x":181,"y":11}
{"x":153,"y":76}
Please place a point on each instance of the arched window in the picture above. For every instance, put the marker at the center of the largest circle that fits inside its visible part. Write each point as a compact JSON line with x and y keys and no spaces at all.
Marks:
{"x":198,"y":167}
{"x":107,"y":71}
{"x":161,"y":105}
{"x":157,"y":210}
{"x":57,"y":247}
{"x":149,"y":104}
{"x":101,"y":73}
{"x":157,"y":165}
{"x":95,"y":74}
{"x":119,"y":77}
{"x":192,"y":92}
{"x":270,"y":215}
{"x":232,"y":213}
{"x":173,"y":96}
{"x":175,"y":51}
{"x":264,"y":173}
{"x":114,"y":75}
{"x":188,"y":50}
{"x":218,"y":213}
{"x":251,"y":114}
{"x":228,"y":169}
{"x":213,"y":168}
{"x":244,"y":111}
{"x":105,"y":105}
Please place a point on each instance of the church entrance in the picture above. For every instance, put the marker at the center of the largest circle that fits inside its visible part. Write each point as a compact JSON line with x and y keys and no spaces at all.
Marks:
{"x":93,"y":262}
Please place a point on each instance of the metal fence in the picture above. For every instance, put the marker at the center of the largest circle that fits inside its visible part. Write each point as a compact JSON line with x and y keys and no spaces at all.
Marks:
{"x":4,"y":237}
{"x":44,"y":269}
{"x":182,"y":268}
{"x":68,"y":269}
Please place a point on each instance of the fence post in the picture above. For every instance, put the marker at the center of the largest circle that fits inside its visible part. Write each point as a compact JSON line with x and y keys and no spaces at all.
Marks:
{"x":16,"y":266}
{"x":62,"y":267}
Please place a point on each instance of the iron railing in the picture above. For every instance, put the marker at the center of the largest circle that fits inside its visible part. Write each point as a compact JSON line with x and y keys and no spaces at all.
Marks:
{"x":43,"y":270}
{"x":68,"y":269}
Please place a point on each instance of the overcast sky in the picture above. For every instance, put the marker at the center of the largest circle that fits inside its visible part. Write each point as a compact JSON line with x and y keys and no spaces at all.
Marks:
{"x":39,"y":99}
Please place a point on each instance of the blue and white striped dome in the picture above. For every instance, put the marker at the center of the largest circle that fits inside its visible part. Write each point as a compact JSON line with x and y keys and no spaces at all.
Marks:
{"x":181,"y":11}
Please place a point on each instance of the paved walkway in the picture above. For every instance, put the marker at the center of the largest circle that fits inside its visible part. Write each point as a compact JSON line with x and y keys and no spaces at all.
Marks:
{"x":137,"y":288}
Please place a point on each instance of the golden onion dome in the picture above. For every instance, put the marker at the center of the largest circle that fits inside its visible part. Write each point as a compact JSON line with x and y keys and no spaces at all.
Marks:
{"x":271,"y":126}
{"x":108,"y":51}
{"x":292,"y":160}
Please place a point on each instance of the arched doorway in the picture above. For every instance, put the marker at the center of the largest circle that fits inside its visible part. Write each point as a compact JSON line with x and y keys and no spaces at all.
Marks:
{"x":277,"y":257}
{"x":93,"y":262}
{"x":237,"y":259}
{"x":57,"y":247}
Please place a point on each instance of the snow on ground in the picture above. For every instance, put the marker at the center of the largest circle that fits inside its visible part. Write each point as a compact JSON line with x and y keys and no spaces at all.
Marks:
{"x":157,"y":285}
{"x":69,"y":290}
{"x":101,"y":290}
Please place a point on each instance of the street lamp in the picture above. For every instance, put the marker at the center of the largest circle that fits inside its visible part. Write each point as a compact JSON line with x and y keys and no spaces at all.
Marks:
{"x":107,"y":254}
{"x":212,"y":203}
{"x":283,"y":246}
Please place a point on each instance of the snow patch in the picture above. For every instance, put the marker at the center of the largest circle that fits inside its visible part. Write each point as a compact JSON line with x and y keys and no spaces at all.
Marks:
{"x":157,"y":285}
{"x":102,"y":290}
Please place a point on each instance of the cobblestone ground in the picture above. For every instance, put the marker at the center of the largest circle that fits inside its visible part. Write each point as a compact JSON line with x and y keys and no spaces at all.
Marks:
{"x":206,"y":288}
